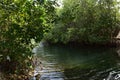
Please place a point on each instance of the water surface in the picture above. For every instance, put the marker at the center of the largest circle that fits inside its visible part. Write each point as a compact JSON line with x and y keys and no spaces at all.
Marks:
{"x":80,"y":63}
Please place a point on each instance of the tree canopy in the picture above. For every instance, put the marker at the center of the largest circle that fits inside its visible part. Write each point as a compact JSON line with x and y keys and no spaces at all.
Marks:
{"x":21,"y":21}
{"x":86,"y":21}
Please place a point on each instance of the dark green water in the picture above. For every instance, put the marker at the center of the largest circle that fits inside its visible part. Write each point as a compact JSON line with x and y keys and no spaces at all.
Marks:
{"x":79,"y":63}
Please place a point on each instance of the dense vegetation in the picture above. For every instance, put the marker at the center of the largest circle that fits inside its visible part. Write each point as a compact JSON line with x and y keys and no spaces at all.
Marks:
{"x":21,"y":22}
{"x":85,"y":22}
{"x":79,"y":21}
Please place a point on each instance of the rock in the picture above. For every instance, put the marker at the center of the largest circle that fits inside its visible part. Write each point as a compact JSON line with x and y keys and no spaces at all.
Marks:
{"x":113,"y":76}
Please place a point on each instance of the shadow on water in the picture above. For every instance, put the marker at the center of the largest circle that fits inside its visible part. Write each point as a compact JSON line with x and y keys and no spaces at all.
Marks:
{"x":97,"y":65}
{"x":80,"y":63}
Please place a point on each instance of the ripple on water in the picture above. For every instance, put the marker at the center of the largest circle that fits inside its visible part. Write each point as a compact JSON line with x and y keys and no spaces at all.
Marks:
{"x":49,"y":71}
{"x":52,"y":76}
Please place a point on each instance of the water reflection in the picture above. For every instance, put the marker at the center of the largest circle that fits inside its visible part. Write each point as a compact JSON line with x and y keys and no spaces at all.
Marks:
{"x":80,"y":63}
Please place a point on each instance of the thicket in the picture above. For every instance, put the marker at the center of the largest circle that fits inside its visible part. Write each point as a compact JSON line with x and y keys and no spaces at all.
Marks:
{"x":21,"y":22}
{"x":85,"y":22}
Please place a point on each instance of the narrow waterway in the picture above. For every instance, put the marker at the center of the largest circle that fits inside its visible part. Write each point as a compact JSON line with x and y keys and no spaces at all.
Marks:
{"x":81,"y":63}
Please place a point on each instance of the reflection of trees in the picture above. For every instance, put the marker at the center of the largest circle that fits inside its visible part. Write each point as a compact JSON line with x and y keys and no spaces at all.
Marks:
{"x":96,"y":68}
{"x":84,"y":63}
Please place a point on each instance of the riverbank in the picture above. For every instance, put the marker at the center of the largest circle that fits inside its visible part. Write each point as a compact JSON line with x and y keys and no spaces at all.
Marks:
{"x":2,"y":76}
{"x":84,"y":44}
